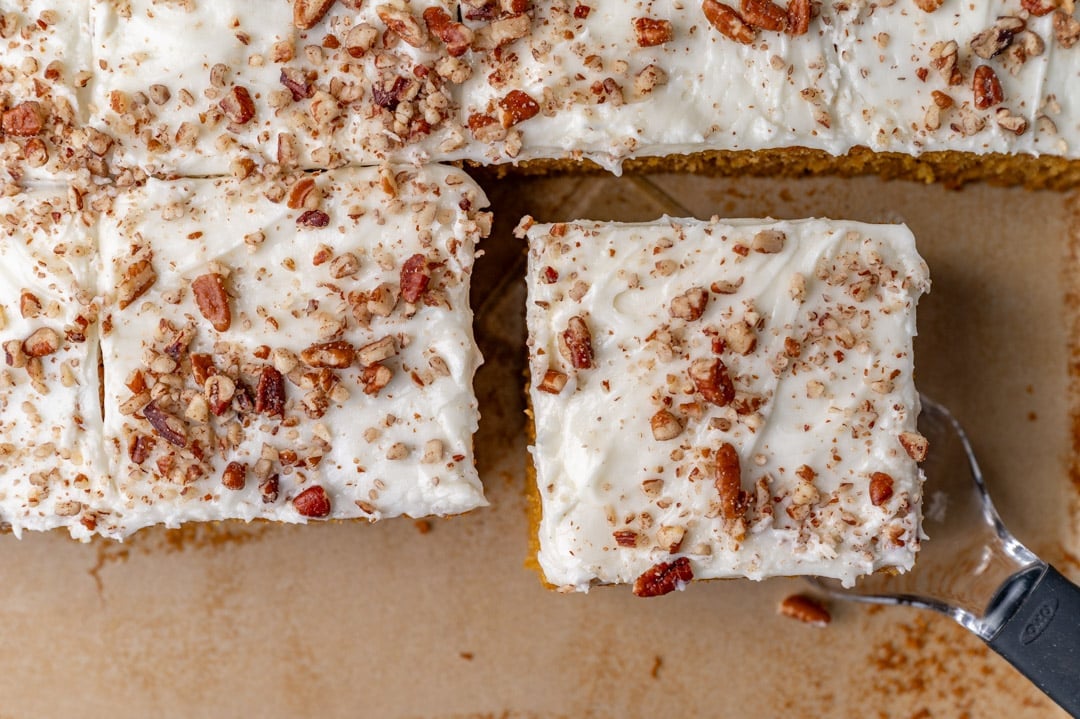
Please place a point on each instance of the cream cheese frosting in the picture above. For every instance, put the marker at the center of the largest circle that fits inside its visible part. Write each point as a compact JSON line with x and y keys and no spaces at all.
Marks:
{"x":305,"y":359}
{"x":723,"y":398}
{"x":605,"y":80}
{"x":53,"y":471}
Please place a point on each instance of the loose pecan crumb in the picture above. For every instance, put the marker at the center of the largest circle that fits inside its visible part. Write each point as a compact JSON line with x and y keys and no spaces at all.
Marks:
{"x":733,"y":502}
{"x":664,"y":578}
{"x":575,"y":344}
{"x":881,"y":488}
{"x":651,"y":32}
{"x":805,"y":609}
{"x":212,"y":300}
{"x":312,"y":502}
{"x":728,"y":21}
{"x":712,"y":380}
{"x":234,"y":476}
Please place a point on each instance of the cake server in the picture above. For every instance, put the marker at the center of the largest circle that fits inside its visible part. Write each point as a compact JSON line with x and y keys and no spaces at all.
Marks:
{"x":972,"y":569}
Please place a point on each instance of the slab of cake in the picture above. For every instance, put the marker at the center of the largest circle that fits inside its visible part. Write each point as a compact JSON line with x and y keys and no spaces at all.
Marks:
{"x":210,"y":88}
{"x":723,"y":398}
{"x":308,"y":358}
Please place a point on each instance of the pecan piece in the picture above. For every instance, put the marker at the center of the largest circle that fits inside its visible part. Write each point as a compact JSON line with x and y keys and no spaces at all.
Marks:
{"x":138,"y":278}
{"x":997,"y":38}
{"x":375,"y":378}
{"x":553,"y":382}
{"x":690,"y":305}
{"x":987,"y":88}
{"x":238,"y":105}
{"x":881,"y":488}
{"x":769,"y":242}
{"x":1066,"y":29}
{"x":664,"y":578}
{"x":575,"y":344}
{"x":625,"y":538}
{"x":728,"y":21}
{"x":268,"y":489}
{"x":1039,"y":7}
{"x":270,"y":394}
{"x":764,"y":14}
{"x":928,"y":5}
{"x":403,"y":24}
{"x":169,"y":427}
{"x":313,"y":218}
{"x":665,"y":426}
{"x":457,"y":37}
{"x":308,"y":13}
{"x":212,"y":300}
{"x":140,"y":448}
{"x":234,"y":476}
{"x":798,"y":17}
{"x":338,"y":355}
{"x":711,"y":379}
{"x":312,"y":502}
{"x":915,"y":445}
{"x":202,"y":368}
{"x":729,"y":482}
{"x":414,"y":278}
{"x":26,"y":119}
{"x":298,"y":82}
{"x":517,"y":107}
{"x":651,"y":32}
{"x":42,"y":343}
{"x":805,"y":609}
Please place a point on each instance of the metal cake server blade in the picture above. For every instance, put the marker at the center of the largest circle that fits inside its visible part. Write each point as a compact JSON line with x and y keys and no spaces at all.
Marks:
{"x":974,"y":570}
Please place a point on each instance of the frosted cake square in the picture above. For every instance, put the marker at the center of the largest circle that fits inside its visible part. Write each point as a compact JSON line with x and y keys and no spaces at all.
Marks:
{"x":52,"y":467}
{"x":305,"y":359}
{"x":723,"y":398}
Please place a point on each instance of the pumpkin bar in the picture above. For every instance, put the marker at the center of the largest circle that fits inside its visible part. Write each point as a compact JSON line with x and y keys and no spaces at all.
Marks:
{"x":723,"y":398}
{"x":289,"y":361}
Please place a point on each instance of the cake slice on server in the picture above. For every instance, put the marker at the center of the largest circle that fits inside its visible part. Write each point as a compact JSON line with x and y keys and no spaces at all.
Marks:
{"x":52,"y":467}
{"x":299,"y":360}
{"x":730,"y":398}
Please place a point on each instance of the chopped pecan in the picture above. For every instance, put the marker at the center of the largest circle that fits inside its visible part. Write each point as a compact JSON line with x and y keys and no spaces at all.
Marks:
{"x":375,"y":377}
{"x":987,"y":88}
{"x":728,"y":21}
{"x":299,"y":83}
{"x":711,"y":379}
{"x":26,"y":119}
{"x":928,"y":5}
{"x":313,"y":218}
{"x":212,"y":300}
{"x":414,"y":278}
{"x":625,"y":538}
{"x":41,"y":343}
{"x":881,"y":488}
{"x":360,"y":39}
{"x":168,"y":426}
{"x":140,"y":448}
{"x":670,"y":538}
{"x":741,"y":338}
{"x":137,"y":279}
{"x":312,"y":502}
{"x":270,"y":394}
{"x":301,"y":192}
{"x":29,"y":305}
{"x":733,"y":500}
{"x":915,"y":445}
{"x":769,"y":242}
{"x":1066,"y":29}
{"x":202,"y":368}
{"x":665,"y":426}
{"x":337,"y":355}
{"x":575,"y":344}
{"x":458,"y":37}
{"x":690,"y":305}
{"x":517,"y":107}
{"x":764,"y":14}
{"x":308,"y":13}
{"x":219,"y":391}
{"x":234,"y":476}
{"x":1039,"y":7}
{"x":651,"y":32}
{"x":238,"y":105}
{"x":996,"y":39}
{"x":553,"y":382}
{"x":798,"y":17}
{"x":268,"y":489}
{"x":403,"y":24}
{"x":663,"y":578}
{"x":805,"y":609}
